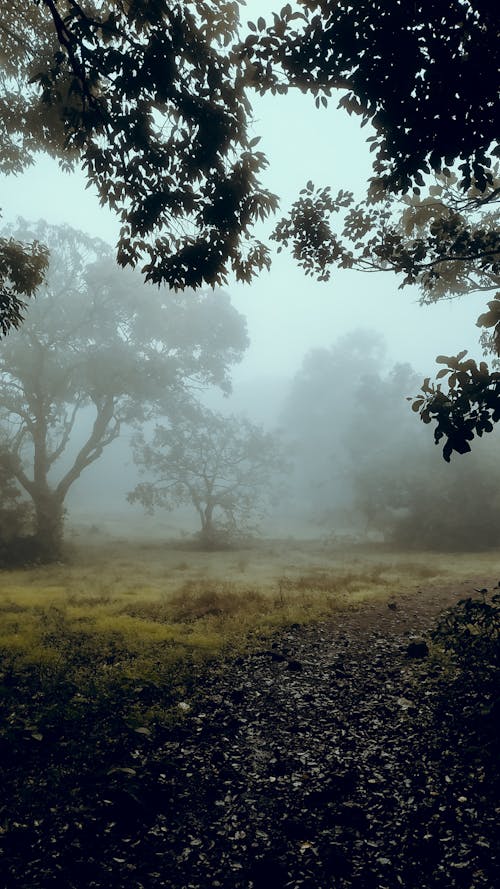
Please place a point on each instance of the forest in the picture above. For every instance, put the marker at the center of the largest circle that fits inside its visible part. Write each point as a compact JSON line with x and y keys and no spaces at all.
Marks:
{"x":250,"y":622}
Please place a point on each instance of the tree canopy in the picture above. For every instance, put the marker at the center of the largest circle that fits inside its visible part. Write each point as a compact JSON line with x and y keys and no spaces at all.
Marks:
{"x":424,"y":75}
{"x":154,"y":100}
{"x":100,"y":349}
{"x":148,"y":98}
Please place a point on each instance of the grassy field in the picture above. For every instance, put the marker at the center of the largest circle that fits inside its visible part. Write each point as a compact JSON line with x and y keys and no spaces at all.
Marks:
{"x":139,"y":609}
{"x":101,"y":663}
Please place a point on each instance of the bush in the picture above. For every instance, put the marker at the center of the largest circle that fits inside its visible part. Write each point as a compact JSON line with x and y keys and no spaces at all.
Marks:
{"x":471,"y":632}
{"x":469,"y":709}
{"x":16,"y":544}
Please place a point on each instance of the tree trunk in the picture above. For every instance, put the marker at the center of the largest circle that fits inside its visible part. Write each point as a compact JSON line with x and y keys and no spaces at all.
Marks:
{"x":208,"y":534}
{"x":49,"y":518}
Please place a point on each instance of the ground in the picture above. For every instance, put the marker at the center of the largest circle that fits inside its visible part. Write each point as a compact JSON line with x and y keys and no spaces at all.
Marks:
{"x":321,"y":755}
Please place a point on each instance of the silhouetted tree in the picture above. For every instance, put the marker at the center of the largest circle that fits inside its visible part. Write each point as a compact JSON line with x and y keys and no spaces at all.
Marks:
{"x":425,"y":76}
{"x":148,"y":96}
{"x":153,"y":98}
{"x":99,"y":349}
{"x":224,"y":466}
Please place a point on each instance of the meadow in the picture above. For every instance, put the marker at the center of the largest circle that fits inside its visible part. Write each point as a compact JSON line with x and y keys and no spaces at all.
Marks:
{"x":139,"y":607}
{"x":101,"y":659}
{"x":125,"y":610}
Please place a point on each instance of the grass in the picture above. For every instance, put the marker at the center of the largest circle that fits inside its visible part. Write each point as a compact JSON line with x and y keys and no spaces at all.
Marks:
{"x":149,"y":607}
{"x":99,"y":657}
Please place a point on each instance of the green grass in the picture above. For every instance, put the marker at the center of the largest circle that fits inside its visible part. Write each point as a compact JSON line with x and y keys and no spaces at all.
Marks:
{"x":129,"y":611}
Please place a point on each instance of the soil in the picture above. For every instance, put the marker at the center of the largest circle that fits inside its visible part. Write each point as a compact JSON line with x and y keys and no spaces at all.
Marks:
{"x":317,"y":761}
{"x":327,"y":758}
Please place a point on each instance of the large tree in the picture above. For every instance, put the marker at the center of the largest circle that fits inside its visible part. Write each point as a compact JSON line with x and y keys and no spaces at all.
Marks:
{"x":153,"y":98}
{"x":99,"y":349}
{"x":223,"y":466}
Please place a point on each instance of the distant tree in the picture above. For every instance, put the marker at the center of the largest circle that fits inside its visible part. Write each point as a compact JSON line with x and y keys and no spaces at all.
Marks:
{"x":398,"y":485}
{"x":320,"y":403}
{"x":224,"y":466}
{"x":99,"y":349}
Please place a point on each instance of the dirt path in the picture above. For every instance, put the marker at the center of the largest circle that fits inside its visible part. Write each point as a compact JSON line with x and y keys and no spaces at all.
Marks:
{"x":323,"y":760}
{"x":314,"y":763}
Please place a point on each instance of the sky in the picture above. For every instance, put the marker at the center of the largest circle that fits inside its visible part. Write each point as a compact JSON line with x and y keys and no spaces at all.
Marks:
{"x":287,"y":312}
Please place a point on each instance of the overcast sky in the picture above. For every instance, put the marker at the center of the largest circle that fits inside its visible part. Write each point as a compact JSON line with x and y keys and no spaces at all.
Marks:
{"x":287,"y":313}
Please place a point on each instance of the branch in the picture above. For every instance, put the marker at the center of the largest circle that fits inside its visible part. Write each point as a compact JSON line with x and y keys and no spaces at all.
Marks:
{"x":67,"y":430}
{"x":102,"y":434}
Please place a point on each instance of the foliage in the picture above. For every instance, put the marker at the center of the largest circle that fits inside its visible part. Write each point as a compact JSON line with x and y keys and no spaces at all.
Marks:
{"x":224,"y":466}
{"x":396,"y":84}
{"x":15,"y":512}
{"x":469,"y":407}
{"x":22,"y":270}
{"x":104,"y":351}
{"x":471,"y":631}
{"x":445,"y":240}
{"x":153,"y":100}
{"x":148,"y":97}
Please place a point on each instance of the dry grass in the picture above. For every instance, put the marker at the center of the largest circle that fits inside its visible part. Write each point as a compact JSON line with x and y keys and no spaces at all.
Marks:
{"x":152,"y":602}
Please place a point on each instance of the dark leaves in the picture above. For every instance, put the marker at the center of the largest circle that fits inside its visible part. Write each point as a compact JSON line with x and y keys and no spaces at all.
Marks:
{"x":470,"y":407}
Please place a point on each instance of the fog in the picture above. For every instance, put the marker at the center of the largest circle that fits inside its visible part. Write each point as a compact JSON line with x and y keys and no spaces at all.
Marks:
{"x":328,"y":368}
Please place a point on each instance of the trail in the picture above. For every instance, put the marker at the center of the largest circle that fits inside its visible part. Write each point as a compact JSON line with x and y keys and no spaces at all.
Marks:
{"x":326,"y":758}
{"x":313,"y":763}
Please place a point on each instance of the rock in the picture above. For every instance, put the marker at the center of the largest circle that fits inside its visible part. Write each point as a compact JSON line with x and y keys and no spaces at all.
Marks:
{"x":295,"y":666}
{"x":392,"y":606}
{"x":417,"y":650}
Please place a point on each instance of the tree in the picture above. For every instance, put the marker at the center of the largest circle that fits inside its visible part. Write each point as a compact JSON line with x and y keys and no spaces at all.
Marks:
{"x":445,"y":240}
{"x":153,"y":99}
{"x":99,"y":349}
{"x":320,"y":403}
{"x":224,"y":466}
{"x":148,"y":98}
{"x":424,"y":76}
{"x":398,"y":485}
